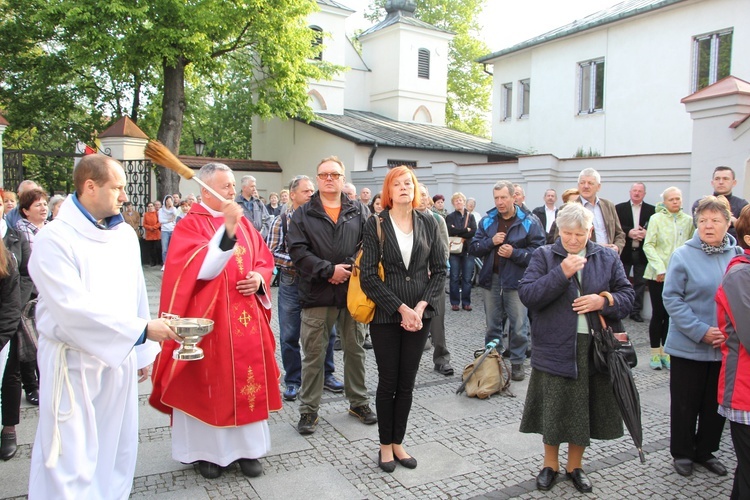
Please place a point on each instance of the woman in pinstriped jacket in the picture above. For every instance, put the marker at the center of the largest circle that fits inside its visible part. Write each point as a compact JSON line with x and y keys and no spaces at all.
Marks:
{"x":414,"y":258}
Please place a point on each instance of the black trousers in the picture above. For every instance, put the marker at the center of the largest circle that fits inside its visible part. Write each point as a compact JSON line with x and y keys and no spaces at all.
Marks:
{"x":397,"y":354}
{"x":152,"y":252}
{"x":659,"y":324}
{"x":741,"y":441}
{"x":692,"y":387}
{"x":639,"y":284}
{"x":11,"y":387}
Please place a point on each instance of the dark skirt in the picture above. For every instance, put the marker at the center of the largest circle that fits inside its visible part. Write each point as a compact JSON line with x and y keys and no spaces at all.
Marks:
{"x":565,"y":410}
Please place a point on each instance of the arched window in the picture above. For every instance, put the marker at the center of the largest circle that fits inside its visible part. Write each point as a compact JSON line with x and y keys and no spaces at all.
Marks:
{"x":318,"y":42}
{"x":423,"y":64}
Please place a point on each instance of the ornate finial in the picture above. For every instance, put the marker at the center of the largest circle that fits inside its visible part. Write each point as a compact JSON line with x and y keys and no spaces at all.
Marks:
{"x":407,"y":7}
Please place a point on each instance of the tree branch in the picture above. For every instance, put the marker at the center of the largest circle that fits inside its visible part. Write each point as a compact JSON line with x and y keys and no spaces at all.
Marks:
{"x":234,"y":46}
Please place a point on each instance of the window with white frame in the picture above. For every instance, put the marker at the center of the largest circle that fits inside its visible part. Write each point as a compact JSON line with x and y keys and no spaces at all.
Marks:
{"x":712,"y":58}
{"x":591,"y":86}
{"x":524,"y":96}
{"x":507,"y":102}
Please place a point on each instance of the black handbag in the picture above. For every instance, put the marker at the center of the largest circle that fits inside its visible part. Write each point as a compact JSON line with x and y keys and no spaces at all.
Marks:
{"x":28,"y":337}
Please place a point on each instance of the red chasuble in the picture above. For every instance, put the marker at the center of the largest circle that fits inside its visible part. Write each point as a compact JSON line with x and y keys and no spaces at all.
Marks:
{"x":237,"y":382}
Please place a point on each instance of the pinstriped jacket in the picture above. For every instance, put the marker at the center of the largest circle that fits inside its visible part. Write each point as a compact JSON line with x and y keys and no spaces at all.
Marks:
{"x":423,"y":280}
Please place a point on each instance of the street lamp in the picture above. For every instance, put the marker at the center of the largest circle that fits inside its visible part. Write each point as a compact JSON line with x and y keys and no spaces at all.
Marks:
{"x":200,"y":145}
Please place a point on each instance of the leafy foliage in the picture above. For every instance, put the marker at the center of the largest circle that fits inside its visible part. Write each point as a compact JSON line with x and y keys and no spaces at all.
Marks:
{"x":62,"y":60}
{"x":469,"y":87}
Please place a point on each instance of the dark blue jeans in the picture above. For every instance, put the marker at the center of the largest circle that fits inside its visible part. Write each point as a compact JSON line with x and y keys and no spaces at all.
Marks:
{"x":462,"y":267}
{"x":290,"y":318}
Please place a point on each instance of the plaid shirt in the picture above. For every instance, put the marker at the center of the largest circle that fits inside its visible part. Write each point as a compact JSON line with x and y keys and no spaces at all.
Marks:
{"x":28,"y":229}
{"x":736,"y":416}
{"x":277,"y":241}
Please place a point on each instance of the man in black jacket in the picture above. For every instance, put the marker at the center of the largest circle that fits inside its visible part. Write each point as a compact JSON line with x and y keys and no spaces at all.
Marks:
{"x":324,"y":236}
{"x":634,"y":215}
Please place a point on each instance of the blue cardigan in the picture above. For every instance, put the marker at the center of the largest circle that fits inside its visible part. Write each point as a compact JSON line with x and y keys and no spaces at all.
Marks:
{"x":549,"y":296}
{"x":690,"y":285}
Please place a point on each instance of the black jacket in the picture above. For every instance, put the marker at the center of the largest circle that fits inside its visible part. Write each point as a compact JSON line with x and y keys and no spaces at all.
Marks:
{"x":423,"y":280}
{"x":10,"y":304}
{"x":316,"y":245}
{"x":462,"y":225}
{"x":18,"y":245}
{"x":625,"y":214}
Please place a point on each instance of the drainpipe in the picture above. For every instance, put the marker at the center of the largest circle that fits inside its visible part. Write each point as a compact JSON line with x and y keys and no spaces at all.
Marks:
{"x":372,"y":155}
{"x":484,"y":68}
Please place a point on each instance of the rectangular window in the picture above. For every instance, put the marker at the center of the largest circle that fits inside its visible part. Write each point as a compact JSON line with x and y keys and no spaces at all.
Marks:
{"x":398,"y":163}
{"x":423,"y":64}
{"x":712,"y":58}
{"x":507,"y":102}
{"x":524,"y":97}
{"x":591,"y":86}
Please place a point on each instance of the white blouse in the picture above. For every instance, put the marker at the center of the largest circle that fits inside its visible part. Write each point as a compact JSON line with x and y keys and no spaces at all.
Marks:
{"x":405,"y":244}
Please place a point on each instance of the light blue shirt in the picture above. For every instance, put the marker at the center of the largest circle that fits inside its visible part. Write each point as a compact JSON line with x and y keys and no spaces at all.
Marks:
{"x":600,"y":230}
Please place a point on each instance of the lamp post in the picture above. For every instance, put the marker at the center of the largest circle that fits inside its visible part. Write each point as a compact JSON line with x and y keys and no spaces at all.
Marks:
{"x":200,"y":145}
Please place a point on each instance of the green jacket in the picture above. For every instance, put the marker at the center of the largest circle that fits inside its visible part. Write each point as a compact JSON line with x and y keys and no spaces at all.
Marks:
{"x":666,"y":232}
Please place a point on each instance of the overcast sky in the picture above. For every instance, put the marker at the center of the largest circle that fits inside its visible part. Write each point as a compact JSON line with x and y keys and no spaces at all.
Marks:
{"x":507,"y":22}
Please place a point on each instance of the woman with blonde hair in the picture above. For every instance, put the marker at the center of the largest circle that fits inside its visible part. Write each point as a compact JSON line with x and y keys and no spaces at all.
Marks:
{"x":668,"y":229}
{"x":462,"y":225}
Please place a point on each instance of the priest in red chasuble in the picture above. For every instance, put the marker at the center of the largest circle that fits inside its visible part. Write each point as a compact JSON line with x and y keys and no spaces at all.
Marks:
{"x":218,"y":267}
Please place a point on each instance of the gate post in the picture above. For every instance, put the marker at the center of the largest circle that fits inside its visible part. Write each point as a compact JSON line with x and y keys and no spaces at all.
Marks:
{"x":3,"y":125}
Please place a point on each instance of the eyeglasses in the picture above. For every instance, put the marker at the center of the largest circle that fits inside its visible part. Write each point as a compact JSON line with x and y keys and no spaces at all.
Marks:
{"x":329,"y":175}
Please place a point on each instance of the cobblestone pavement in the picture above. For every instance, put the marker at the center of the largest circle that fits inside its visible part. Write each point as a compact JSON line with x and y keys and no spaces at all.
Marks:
{"x":466,"y":448}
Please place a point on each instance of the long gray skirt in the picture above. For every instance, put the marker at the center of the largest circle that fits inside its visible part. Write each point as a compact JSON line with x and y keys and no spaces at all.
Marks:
{"x":565,"y":410}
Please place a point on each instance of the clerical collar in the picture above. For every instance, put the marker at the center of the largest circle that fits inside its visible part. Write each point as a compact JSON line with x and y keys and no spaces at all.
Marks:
{"x":214,"y":213}
{"x":107,"y":222}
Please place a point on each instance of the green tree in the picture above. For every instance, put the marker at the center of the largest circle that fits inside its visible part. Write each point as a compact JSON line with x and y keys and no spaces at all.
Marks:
{"x":469,"y":87}
{"x":105,"y":56}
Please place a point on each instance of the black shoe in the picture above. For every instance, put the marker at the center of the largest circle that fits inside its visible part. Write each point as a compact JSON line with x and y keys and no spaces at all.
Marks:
{"x":291,"y":392}
{"x":683,"y":466}
{"x":307,"y":424}
{"x":337,"y":344}
{"x":636,"y":317}
{"x":580,"y":480}
{"x":409,"y":463}
{"x":517,"y":373}
{"x":367,"y":343}
{"x":444,"y":369}
{"x":386,"y":466}
{"x":506,"y":353}
{"x":8,"y":446}
{"x":33,"y":397}
{"x":528,"y":353}
{"x":364,"y":414}
{"x":333,"y":384}
{"x":715,"y":466}
{"x":209,"y":470}
{"x":251,"y":467}
{"x":546,"y":479}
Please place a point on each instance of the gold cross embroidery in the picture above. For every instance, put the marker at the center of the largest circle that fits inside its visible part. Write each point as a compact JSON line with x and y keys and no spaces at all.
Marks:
{"x":245,"y":318}
{"x":251,"y":389}
{"x":239,"y":251}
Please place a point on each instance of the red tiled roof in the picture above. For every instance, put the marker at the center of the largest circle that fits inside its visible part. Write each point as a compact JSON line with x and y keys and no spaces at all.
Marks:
{"x":3,"y":121}
{"x":235,"y":164}
{"x":726,"y":86}
{"x":124,"y":127}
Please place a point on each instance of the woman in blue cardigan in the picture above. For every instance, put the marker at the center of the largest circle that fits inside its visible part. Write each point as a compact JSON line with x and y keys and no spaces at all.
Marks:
{"x":567,"y":402}
{"x":694,"y":339}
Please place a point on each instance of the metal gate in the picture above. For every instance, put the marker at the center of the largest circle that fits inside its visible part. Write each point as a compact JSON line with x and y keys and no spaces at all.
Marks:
{"x":137,"y":173}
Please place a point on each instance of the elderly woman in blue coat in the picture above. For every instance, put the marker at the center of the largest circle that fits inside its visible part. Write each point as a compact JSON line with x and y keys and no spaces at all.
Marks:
{"x":567,"y":402}
{"x":694,"y":339}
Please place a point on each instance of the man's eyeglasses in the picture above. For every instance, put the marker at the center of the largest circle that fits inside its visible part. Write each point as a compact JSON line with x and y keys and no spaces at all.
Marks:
{"x":330,"y":175}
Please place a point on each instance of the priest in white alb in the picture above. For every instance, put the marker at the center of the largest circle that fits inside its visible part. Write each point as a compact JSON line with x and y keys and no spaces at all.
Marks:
{"x":95,"y":341}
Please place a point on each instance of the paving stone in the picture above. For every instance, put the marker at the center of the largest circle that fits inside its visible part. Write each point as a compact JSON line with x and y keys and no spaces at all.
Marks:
{"x":435,"y":462}
{"x":285,"y":439}
{"x":510,"y":441}
{"x":351,"y":428}
{"x":321,"y":482}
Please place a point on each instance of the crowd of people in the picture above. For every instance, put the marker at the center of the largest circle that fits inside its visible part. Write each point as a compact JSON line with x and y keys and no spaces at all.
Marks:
{"x":542,"y":272}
